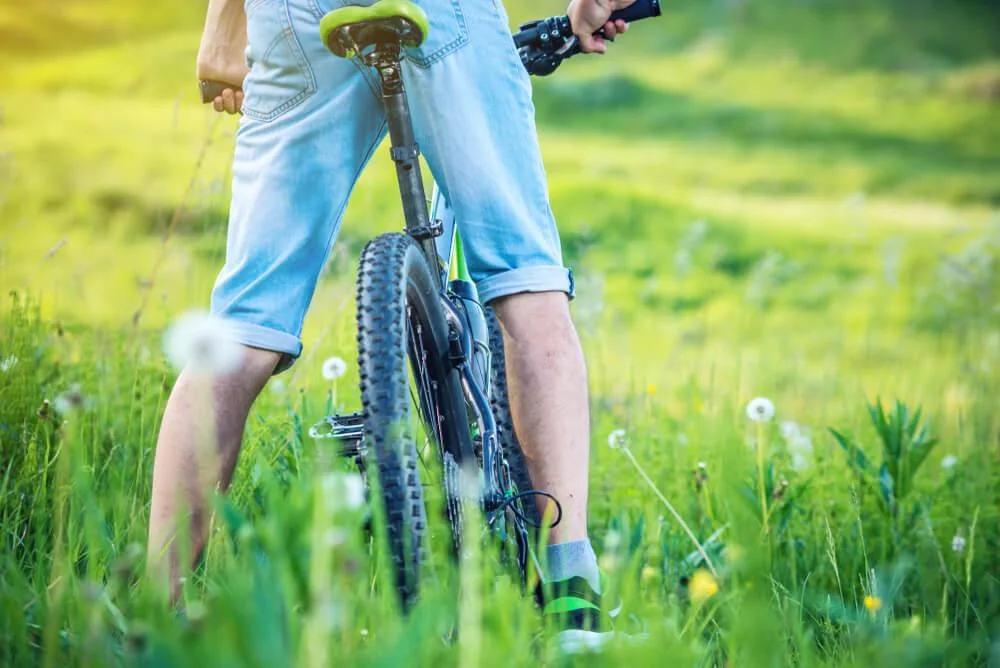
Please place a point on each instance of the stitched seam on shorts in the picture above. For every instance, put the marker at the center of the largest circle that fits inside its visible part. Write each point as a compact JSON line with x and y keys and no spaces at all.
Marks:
{"x":454,"y":45}
{"x":289,"y":36}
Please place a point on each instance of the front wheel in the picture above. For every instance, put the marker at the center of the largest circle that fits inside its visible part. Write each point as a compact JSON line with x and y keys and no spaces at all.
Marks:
{"x":406,"y":373}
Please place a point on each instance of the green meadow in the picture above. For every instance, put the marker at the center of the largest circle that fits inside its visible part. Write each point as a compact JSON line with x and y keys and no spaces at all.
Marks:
{"x":792,"y":200}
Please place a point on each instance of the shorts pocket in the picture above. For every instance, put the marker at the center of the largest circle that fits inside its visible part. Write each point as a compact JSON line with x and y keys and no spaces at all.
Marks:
{"x":280,"y":76}
{"x":448,"y":32}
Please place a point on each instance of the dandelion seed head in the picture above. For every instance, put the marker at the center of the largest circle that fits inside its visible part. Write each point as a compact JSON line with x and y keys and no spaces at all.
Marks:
{"x":800,"y":462}
{"x":801,"y":443}
{"x":343,"y":490}
{"x":334,"y":368}
{"x":8,"y":363}
{"x":612,"y":541}
{"x":760,"y":409}
{"x":277,"y":387}
{"x":958,"y":543}
{"x":203,"y":342}
{"x":71,"y":400}
{"x":617,"y":439}
{"x":948,"y":463}
{"x":789,"y":429}
{"x":702,"y":586}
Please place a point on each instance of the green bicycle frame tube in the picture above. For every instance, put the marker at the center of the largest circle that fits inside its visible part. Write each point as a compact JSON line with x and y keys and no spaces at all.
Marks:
{"x":460,"y":268}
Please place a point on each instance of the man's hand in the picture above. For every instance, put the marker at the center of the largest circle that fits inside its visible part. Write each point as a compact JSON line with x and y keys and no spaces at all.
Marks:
{"x":589,"y":16}
{"x":222,"y":54}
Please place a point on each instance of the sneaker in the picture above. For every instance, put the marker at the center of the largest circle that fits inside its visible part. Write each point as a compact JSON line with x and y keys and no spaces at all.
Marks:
{"x":574,"y":608}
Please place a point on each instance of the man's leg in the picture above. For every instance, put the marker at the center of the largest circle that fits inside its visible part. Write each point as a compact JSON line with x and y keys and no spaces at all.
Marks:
{"x":311,"y":122}
{"x":547,"y":390}
{"x":181,"y":485}
{"x":547,"y":386}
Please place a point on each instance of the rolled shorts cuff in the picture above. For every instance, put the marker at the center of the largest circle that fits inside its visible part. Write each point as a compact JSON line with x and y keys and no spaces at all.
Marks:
{"x":267,"y":338}
{"x":526,"y":279}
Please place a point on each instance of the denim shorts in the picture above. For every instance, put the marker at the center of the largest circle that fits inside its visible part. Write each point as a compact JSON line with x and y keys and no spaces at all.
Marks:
{"x":310,"y":123}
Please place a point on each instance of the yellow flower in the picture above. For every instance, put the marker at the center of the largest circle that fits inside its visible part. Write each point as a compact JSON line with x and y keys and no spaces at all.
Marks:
{"x":649,"y":573}
{"x":702,"y":586}
{"x":651,"y":389}
{"x":873,"y":604}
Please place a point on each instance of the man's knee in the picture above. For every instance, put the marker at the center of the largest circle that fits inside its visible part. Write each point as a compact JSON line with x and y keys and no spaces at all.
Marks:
{"x":527,"y":313}
{"x":248,"y":378}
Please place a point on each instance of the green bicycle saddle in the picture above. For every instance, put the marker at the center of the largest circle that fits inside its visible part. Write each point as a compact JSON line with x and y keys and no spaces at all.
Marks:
{"x":350,"y":30}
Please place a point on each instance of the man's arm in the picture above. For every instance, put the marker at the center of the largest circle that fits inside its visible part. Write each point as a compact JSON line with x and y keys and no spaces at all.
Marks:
{"x":589,"y":16}
{"x":222,"y":53}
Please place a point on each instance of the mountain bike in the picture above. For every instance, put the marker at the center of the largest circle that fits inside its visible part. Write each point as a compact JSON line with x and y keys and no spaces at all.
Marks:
{"x":428,"y":350}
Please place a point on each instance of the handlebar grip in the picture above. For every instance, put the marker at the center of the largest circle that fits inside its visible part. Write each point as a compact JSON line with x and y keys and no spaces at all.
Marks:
{"x":531,"y":34}
{"x":213,"y":89}
{"x":640,"y":9}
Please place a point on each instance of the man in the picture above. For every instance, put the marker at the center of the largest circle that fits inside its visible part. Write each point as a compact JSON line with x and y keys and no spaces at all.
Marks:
{"x":310,"y":123}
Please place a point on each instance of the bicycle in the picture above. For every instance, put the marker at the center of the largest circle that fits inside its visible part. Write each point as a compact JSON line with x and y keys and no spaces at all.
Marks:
{"x":418,"y":312}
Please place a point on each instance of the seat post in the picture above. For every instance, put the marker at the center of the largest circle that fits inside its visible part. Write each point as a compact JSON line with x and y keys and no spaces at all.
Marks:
{"x":405,"y":152}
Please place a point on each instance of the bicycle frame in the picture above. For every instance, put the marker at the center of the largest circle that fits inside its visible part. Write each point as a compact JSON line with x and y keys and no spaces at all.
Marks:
{"x":466,"y":319}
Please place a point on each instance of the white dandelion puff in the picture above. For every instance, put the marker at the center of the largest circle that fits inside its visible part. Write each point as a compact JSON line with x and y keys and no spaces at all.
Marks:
{"x":760,"y":409}
{"x":8,"y":363}
{"x":801,"y":449}
{"x":948,"y":463}
{"x":617,"y":439}
{"x":612,"y":541}
{"x":800,"y":462}
{"x":789,"y":429}
{"x":277,"y":387}
{"x":344,"y":490}
{"x":203,"y":342}
{"x":334,"y":368}
{"x":958,"y":544}
{"x":71,"y":400}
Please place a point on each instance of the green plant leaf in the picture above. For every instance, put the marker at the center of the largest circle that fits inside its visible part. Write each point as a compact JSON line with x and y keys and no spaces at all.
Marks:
{"x":856,"y":456}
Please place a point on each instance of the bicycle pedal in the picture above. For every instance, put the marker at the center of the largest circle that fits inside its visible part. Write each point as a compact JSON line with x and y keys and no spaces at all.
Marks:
{"x":348,"y":430}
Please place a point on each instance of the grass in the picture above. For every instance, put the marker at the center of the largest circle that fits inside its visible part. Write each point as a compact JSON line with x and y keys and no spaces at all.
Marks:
{"x":759,"y":198}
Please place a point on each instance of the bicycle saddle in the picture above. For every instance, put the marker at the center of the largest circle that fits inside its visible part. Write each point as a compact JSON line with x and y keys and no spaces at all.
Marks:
{"x":351,"y":30}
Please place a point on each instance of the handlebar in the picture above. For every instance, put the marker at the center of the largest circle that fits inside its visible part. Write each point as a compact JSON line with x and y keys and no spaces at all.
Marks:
{"x":542,"y":45}
{"x":545,"y":43}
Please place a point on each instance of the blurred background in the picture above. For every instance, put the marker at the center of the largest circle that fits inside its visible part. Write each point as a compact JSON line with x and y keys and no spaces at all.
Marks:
{"x":796,"y":199}
{"x":732,"y":171}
